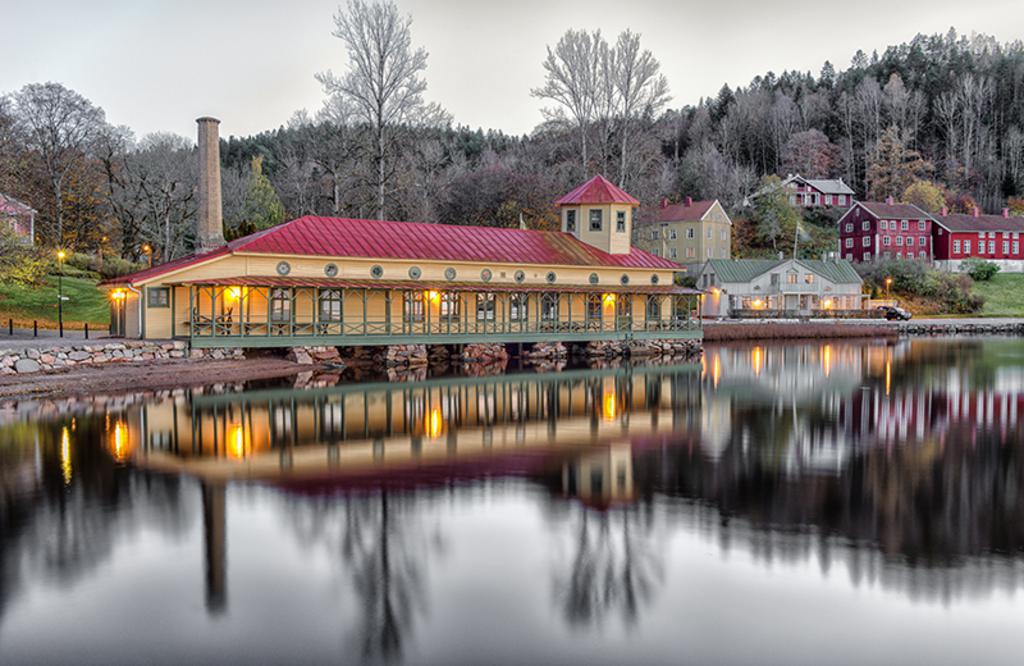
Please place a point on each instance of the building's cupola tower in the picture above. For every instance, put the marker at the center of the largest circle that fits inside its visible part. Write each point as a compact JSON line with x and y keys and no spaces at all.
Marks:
{"x":600,"y":214}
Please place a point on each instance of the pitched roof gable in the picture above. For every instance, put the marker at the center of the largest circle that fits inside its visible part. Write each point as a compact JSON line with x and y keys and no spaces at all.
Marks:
{"x":838,"y":271}
{"x":597,"y":190}
{"x":964,"y":222}
{"x":681,"y":212}
{"x":886,"y":211}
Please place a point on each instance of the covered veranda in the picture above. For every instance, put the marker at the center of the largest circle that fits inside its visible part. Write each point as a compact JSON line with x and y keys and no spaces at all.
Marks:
{"x":257,"y":311}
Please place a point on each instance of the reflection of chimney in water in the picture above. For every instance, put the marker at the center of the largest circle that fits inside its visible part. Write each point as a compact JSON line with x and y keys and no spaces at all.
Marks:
{"x":209,"y":219}
{"x":215,"y":543}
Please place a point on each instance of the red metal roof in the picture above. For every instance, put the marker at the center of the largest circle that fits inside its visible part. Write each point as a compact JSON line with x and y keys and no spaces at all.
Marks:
{"x":597,"y":190}
{"x":963,"y":222}
{"x":374,"y":239}
{"x":436,"y":285}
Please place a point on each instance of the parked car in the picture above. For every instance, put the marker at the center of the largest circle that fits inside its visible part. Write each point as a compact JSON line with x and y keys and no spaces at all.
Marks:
{"x":894,"y":313}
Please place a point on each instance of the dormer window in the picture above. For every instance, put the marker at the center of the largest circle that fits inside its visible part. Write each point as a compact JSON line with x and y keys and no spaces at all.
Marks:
{"x":595,"y":219}
{"x":620,"y":221}
{"x":570,"y":221}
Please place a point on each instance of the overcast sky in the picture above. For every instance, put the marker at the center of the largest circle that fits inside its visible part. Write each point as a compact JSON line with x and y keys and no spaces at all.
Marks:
{"x":156,"y":66}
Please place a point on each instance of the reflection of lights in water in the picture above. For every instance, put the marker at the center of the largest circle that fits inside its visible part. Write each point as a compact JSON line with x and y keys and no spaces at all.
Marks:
{"x":236,"y":447}
{"x":716,"y":370}
{"x":609,"y":405}
{"x":703,"y":366}
{"x":757,"y":359}
{"x":435,"y":424}
{"x":826,"y":359}
{"x":119,"y":441}
{"x":65,"y":454}
{"x":888,"y":374}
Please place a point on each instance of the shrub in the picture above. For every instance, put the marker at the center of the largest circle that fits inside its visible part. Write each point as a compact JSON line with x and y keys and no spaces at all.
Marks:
{"x":106,"y":267}
{"x":979,"y":269}
{"x":18,"y":260}
{"x":950,"y":291}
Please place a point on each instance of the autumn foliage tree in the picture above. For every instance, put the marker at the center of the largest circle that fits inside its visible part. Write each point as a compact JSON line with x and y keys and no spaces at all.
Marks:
{"x":893,"y":167}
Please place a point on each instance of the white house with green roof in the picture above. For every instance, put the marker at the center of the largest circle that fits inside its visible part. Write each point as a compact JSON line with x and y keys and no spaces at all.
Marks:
{"x":787,"y":286}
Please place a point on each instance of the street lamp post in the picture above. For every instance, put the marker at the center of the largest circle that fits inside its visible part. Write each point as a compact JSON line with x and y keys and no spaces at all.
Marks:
{"x":60,"y":291}
{"x":888,"y":287}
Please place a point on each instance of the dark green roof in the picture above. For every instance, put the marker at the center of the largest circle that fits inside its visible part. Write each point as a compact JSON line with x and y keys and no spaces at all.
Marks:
{"x":839,"y":271}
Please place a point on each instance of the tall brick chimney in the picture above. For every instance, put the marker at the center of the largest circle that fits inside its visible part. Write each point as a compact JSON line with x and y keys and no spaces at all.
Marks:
{"x":689,"y":201}
{"x":976,"y":211}
{"x":889,"y":200}
{"x":1006,"y":213}
{"x":209,"y":222}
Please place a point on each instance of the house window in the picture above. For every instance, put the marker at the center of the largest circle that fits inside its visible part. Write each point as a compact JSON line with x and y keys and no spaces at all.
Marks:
{"x":828,"y":199}
{"x":967,"y":247}
{"x":653,"y":309}
{"x":899,"y":240}
{"x":690,"y":232}
{"x":866,"y":225}
{"x":620,"y":221}
{"x":809,"y":278}
{"x":910,"y":240}
{"x":842,"y":199}
{"x":412,"y":306}
{"x":849,"y":227}
{"x":570,"y":221}
{"x":883,"y":225}
{"x":672,"y":253}
{"x":904,"y":225}
{"x":774,"y":279}
{"x":158,"y":297}
{"x":280,"y":304}
{"x":485,"y":307}
{"x":921,"y":225}
{"x":887,"y":240}
{"x":449,"y":305}
{"x":691,"y":252}
{"x":518,"y":307}
{"x":867,"y":256}
{"x":991,"y":247}
{"x":956,"y":247}
{"x":595,"y":220}
{"x":866,"y":241}
{"x":709,"y":253}
{"x":672,"y":235}
{"x":849,"y":242}
{"x":549,"y":307}
{"x":1006,"y":247}
{"x":725,"y":235}
{"x":790,"y":278}
{"x":593,"y":307}
{"x":923,"y":241}
{"x":710,"y":233}
{"x":1016,"y":247}
{"x":654,"y":234}
{"x":330,"y":305}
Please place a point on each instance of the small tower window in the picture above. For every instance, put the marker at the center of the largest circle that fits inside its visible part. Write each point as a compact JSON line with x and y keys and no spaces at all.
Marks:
{"x":570,"y":221}
{"x":620,"y":221}
{"x":595,"y":220}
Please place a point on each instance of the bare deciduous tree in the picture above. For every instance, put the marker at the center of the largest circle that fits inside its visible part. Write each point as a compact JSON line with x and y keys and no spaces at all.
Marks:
{"x":642,"y":90}
{"x":61,"y":126}
{"x":383,"y":82}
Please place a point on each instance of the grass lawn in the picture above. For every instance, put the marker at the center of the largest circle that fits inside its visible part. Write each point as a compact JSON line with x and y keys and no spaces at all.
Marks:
{"x":26,"y":303}
{"x":1004,"y":295}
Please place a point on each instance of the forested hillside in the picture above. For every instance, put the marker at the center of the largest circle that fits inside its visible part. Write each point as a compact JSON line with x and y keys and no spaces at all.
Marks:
{"x":942,"y":109}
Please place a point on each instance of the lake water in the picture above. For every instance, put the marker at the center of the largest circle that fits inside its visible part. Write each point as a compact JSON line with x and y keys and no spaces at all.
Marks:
{"x":836,"y":502}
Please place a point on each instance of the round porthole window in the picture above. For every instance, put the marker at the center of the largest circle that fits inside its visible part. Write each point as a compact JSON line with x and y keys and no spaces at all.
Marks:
{"x":486,"y":275}
{"x":376,"y":271}
{"x":654,"y":279}
{"x":283,"y":268}
{"x":331,"y":270}
{"x":624,"y":279}
{"x":594,"y":279}
{"x":415,"y":272}
{"x":551,"y":277}
{"x":449,"y":273}
{"x":520,"y":276}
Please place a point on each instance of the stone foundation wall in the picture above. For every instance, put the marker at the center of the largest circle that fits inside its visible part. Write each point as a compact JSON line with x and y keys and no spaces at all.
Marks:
{"x":53,"y":358}
{"x":484,"y":353}
{"x":607,"y":349}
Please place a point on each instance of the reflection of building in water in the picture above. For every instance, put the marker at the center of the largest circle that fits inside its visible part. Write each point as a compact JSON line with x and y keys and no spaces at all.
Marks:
{"x":600,"y":478}
{"x":270,"y":433}
{"x":215,"y":545}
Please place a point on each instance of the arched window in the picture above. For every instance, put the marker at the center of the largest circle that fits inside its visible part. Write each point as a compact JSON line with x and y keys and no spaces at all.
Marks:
{"x":412,"y":306}
{"x":549,"y":307}
{"x":280,"y":304}
{"x":518,"y":307}
{"x":653,"y":308}
{"x":594,"y":308}
{"x":485,"y":306}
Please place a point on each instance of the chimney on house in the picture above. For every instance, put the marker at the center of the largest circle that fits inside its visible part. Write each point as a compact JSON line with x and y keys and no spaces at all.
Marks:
{"x":664,"y":202}
{"x":976,"y":212}
{"x":1006,"y":213}
{"x":689,"y":201}
{"x":944,"y":212}
{"x":209,"y":223}
{"x":889,"y":200}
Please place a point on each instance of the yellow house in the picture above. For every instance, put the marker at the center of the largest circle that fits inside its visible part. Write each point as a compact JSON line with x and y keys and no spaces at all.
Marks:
{"x":338,"y":281}
{"x":688,"y":233}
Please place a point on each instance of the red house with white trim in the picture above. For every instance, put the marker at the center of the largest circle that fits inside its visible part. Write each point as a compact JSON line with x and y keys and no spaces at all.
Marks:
{"x":877,"y":230}
{"x":995,"y":238}
{"x":19,"y":217}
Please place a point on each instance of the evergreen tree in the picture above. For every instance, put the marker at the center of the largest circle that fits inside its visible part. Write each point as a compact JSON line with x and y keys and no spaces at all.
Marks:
{"x":262,"y":207}
{"x":893,"y":167}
